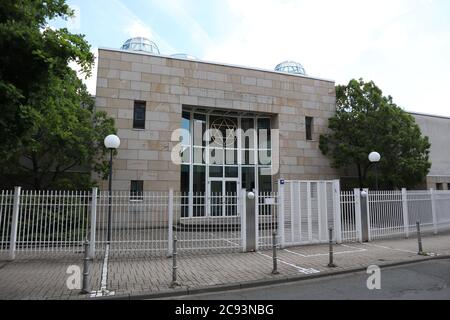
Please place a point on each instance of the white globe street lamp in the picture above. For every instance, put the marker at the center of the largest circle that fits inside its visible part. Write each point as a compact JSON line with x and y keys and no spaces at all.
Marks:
{"x":375,"y":157}
{"x":112,"y":142}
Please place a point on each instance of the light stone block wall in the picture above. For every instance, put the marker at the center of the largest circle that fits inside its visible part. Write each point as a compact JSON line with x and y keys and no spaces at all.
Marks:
{"x":168,"y":83}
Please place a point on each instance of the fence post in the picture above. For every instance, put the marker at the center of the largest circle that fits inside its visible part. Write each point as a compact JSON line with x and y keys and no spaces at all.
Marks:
{"x":243,"y":199}
{"x":433,"y":211}
{"x":281,"y":213}
{"x":337,"y":210}
{"x":170,"y":225}
{"x":93,"y":222}
{"x":405,"y":212}
{"x":357,"y":196}
{"x":14,"y":222}
{"x":367,"y":207}
{"x":256,"y":219}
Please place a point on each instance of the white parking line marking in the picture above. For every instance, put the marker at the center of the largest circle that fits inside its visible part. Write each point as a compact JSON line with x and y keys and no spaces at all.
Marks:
{"x":300,"y":269}
{"x":103,"y":286}
{"x":383,"y":247}
{"x":327,"y":254}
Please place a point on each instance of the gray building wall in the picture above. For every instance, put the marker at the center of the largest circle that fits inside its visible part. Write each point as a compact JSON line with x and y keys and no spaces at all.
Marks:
{"x":438,"y":130}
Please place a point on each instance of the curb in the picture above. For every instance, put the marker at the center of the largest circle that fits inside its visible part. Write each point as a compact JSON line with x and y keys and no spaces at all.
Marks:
{"x":258,"y":283}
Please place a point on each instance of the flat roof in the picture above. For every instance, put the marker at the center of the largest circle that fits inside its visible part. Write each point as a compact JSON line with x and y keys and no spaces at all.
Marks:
{"x":428,"y":115}
{"x":217,"y":63}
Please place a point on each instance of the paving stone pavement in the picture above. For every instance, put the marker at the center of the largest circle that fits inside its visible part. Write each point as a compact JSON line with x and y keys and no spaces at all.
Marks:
{"x":45,"y":277}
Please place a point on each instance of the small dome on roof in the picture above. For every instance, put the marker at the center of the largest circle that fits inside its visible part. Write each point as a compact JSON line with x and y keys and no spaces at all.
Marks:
{"x":290,"y":67}
{"x":140,"y":44}
{"x":183,"y":56}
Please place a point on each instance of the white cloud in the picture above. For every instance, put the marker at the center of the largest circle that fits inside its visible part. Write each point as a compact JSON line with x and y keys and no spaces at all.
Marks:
{"x":139,"y":29}
{"x":393,"y":43}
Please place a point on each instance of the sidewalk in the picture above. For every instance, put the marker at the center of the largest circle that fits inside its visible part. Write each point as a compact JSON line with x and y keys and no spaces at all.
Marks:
{"x":132,"y":276}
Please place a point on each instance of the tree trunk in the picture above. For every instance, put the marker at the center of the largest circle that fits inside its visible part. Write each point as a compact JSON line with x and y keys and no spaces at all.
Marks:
{"x":360,"y":177}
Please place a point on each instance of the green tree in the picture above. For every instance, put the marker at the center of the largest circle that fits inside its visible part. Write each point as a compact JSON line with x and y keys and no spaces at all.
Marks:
{"x":367,"y":121}
{"x":48,"y":122}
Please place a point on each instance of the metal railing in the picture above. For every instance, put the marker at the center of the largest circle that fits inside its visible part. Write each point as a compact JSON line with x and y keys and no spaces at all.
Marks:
{"x":300,"y":213}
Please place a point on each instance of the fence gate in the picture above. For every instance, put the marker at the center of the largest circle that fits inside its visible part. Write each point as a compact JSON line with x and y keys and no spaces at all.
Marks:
{"x":308,"y":209}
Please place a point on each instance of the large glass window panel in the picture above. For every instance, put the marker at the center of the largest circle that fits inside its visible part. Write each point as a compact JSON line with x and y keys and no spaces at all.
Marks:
{"x":185,"y":154}
{"x":199,"y":155}
{"x":248,"y":133}
{"x":231,"y":157}
{"x":184,"y":188}
{"x":216,"y":171}
{"x":224,"y":129}
{"x":186,"y":126}
{"x":265,"y":157}
{"x":216,"y":156}
{"x":231,"y":172}
{"x":248,"y":157}
{"x":216,"y":198}
{"x":248,"y":178}
{"x":230,"y":199}
{"x":264,"y":180}
{"x":199,"y":129}
{"x":199,"y":187}
{"x":264,"y":135}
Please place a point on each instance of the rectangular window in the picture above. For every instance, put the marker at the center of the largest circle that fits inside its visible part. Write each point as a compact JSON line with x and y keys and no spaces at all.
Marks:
{"x":448,"y":186}
{"x":136,"y":190}
{"x":309,"y":122}
{"x":439,"y":186}
{"x":139,"y":115}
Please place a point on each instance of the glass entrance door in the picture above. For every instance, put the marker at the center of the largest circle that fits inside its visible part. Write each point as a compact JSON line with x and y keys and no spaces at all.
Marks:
{"x":223,"y":197}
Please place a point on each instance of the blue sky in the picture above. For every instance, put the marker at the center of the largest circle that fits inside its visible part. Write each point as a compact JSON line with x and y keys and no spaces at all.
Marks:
{"x":403,"y":45}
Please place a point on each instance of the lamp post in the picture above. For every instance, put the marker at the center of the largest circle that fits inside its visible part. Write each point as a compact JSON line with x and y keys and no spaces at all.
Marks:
{"x":375,"y":157}
{"x":112,"y":142}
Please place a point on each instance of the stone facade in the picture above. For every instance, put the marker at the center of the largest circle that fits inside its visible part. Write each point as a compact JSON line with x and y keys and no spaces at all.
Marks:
{"x":167,"y":83}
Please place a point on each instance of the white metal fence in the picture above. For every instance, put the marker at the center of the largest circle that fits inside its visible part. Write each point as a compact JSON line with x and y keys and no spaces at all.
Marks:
{"x":301,"y":213}
{"x":393,"y":213}
{"x":308,"y":209}
{"x":43,"y":221}
{"x":350,"y":217}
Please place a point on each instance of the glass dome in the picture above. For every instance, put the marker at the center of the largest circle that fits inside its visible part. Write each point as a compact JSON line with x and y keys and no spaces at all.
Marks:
{"x":183,"y":56}
{"x":140,"y":44}
{"x":290,"y":67}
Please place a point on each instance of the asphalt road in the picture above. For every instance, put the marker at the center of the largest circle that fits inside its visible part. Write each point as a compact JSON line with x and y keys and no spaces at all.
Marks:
{"x":423,"y":280}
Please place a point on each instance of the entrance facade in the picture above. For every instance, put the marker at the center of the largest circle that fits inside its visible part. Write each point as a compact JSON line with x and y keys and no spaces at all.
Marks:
{"x":223,"y":152}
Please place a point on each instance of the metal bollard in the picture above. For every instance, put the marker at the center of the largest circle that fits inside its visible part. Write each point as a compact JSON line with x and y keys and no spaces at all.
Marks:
{"x":330,"y":235}
{"x":419,"y":240}
{"x":174,"y":264}
{"x":274,"y":253}
{"x":86,"y":264}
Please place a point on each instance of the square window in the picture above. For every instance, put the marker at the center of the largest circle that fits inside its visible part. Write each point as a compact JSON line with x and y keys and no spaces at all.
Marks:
{"x":139,"y":115}
{"x":309,"y":123}
{"x":136,"y":190}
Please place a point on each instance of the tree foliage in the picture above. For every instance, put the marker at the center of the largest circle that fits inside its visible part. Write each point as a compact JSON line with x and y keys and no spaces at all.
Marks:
{"x":48,"y":122}
{"x":367,"y":121}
